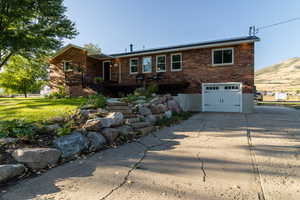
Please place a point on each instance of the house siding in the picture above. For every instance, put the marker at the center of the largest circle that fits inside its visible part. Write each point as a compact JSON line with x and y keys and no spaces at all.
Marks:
{"x":58,"y":77}
{"x":197,"y":68}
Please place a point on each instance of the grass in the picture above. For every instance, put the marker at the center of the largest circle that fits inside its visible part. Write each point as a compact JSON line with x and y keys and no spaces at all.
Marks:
{"x":36,"y":109}
{"x":287,"y":104}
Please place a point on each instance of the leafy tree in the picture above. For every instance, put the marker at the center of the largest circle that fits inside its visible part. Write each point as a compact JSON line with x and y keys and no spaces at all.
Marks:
{"x":92,"y":48}
{"x":32,"y":27}
{"x":22,"y":75}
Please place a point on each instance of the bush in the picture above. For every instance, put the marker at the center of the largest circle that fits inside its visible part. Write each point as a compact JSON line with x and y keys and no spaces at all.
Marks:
{"x":17,"y":129}
{"x":152,"y":89}
{"x":130,"y":98}
{"x":140,"y":92}
{"x":98,"y":101}
{"x":61,"y":93}
{"x":98,"y":80}
{"x":66,"y":129}
{"x":176,"y":118}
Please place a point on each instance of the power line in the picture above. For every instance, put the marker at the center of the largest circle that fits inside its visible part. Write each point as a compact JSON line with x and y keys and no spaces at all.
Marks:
{"x":253,"y":30}
{"x":279,"y":23}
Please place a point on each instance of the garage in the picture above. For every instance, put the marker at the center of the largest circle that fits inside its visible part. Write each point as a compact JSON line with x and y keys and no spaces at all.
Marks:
{"x":222,"y":97}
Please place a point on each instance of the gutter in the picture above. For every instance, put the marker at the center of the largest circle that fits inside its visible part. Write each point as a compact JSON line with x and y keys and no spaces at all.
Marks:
{"x":183,"y":48}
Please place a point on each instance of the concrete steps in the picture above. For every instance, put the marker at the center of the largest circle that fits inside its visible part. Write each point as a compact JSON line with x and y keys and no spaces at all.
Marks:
{"x":129,"y":121}
{"x":130,"y":118}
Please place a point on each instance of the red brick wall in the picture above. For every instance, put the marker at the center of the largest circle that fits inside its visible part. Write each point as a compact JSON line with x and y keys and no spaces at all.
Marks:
{"x":197,"y":68}
{"x":91,"y":67}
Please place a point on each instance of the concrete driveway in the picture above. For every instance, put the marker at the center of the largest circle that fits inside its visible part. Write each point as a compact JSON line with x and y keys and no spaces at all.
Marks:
{"x":210,"y":156}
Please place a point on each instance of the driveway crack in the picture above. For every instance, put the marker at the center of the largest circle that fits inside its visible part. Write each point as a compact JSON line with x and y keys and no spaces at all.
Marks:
{"x":134,"y":166}
{"x":202,"y":167}
{"x":260,"y":193}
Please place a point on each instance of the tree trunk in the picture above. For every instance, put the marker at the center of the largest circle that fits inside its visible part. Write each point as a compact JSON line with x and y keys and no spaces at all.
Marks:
{"x":5,"y":59}
{"x":25,"y":93}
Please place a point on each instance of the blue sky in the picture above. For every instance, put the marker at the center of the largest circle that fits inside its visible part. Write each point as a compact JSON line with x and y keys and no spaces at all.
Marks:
{"x":114,"y":24}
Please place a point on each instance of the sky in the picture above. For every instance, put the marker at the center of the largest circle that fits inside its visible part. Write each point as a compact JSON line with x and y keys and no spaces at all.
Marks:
{"x":114,"y":24}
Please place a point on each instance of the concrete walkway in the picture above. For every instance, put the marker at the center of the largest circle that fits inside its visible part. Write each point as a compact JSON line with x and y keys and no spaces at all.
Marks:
{"x":210,"y":156}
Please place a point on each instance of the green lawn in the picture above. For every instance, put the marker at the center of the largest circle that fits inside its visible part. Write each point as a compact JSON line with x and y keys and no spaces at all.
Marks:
{"x":36,"y":109}
{"x":288,"y":104}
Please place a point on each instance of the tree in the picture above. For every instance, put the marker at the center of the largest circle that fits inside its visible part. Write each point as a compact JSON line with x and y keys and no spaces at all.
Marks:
{"x":32,"y":27}
{"x":22,"y":75}
{"x":92,"y":48}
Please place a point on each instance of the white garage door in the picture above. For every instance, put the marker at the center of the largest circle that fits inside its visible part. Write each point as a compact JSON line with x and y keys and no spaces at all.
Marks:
{"x":222,"y":97}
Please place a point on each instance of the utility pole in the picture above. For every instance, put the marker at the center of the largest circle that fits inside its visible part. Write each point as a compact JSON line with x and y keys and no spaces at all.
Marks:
{"x":253,"y":31}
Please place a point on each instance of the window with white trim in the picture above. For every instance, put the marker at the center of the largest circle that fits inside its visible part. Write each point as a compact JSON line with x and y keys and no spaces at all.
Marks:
{"x":222,"y":56}
{"x":161,"y":63}
{"x":133,"y":65}
{"x":176,"y":62}
{"x":67,"y":66}
{"x":147,"y":65}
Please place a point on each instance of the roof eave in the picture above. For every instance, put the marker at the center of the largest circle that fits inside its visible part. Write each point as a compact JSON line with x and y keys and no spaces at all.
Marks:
{"x":254,"y":39}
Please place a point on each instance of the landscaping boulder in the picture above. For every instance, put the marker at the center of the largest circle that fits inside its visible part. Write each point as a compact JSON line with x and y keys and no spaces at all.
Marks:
{"x":7,"y":141}
{"x":110,"y":134}
{"x":88,"y":106}
{"x":52,"y":128}
{"x":125,"y":130}
{"x":140,"y":101}
{"x":159,"y":108}
{"x":93,"y":124}
{"x":10,"y":171}
{"x":96,"y":141}
{"x":114,"y":119}
{"x":102,"y":112}
{"x":156,"y":100}
{"x":71,"y":144}
{"x":58,"y":119}
{"x":37,"y":158}
{"x":84,"y":114}
{"x":144,"y":110}
{"x":151,"y":118}
{"x":168,"y":114}
{"x":173,"y":106}
{"x":111,"y":120}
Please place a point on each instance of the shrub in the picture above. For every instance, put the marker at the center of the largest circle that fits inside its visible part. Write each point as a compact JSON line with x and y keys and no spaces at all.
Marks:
{"x":98,"y":101}
{"x":130,"y":98}
{"x":66,"y":129}
{"x":61,"y":93}
{"x":140,"y":92}
{"x":152,"y":89}
{"x":17,"y":128}
{"x":176,"y":118}
{"x":98,"y":80}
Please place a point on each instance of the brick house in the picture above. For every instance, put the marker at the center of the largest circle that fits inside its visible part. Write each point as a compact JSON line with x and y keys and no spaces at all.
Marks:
{"x":214,"y":76}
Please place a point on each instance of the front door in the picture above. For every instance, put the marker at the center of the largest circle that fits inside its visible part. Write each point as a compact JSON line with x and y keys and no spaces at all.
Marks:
{"x":106,"y":70}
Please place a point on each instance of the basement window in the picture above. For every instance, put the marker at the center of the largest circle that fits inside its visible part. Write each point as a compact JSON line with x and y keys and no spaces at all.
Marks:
{"x":222,"y":56}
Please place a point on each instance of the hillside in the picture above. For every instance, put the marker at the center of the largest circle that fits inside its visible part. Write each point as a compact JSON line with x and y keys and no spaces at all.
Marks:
{"x":284,"y":76}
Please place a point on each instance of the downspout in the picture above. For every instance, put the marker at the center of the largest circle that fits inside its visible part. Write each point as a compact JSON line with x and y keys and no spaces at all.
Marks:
{"x":120,"y":73}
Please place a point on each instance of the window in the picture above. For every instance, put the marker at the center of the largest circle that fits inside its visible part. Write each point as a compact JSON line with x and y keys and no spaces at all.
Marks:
{"x":67,"y":66}
{"x":176,"y":62}
{"x":147,"y":65}
{"x":133,"y":65}
{"x":161,"y":63}
{"x":222,"y":56}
